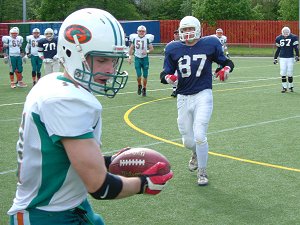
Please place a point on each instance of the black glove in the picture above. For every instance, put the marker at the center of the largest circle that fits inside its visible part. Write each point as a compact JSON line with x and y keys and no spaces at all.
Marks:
{"x":296,"y":58}
{"x":275,"y":61}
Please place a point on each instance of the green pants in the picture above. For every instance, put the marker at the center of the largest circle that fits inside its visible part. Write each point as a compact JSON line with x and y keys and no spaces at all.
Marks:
{"x":36,"y":63}
{"x":141,"y":65}
{"x":16,"y":63}
{"x":81,"y":215}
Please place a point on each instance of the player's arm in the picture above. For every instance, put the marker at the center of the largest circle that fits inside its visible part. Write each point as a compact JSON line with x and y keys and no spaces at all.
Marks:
{"x":228,"y":63}
{"x":88,"y":162}
{"x":296,"y":48}
{"x":90,"y":166}
{"x":276,"y":55}
{"x":150,"y":48}
{"x":130,"y":52}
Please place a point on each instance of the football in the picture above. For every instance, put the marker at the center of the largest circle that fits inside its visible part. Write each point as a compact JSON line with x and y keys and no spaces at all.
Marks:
{"x":135,"y":161}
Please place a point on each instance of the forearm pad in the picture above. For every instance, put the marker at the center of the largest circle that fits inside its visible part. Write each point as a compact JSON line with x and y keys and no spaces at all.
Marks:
{"x":110,"y":189}
{"x":229,"y":63}
{"x":107,"y":160}
{"x":162,"y":77}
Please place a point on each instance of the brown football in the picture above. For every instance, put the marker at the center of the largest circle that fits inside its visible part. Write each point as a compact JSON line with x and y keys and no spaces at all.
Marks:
{"x":135,"y":161}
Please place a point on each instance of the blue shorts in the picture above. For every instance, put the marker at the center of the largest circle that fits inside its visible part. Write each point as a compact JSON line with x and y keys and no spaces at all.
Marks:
{"x":83,"y":214}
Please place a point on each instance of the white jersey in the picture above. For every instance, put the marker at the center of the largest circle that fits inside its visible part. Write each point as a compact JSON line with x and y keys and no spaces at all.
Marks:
{"x":141,"y":45}
{"x":54,"y":108}
{"x":14,"y":45}
{"x":32,"y":44}
{"x":223,"y":40}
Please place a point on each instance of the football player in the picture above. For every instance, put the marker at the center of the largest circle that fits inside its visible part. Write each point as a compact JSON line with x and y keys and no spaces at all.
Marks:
{"x":47,"y":50}
{"x":287,"y":43}
{"x":174,"y":86}
{"x":32,"y":53}
{"x":141,"y":46}
{"x":12,"y":47}
{"x":59,"y":146}
{"x":192,"y":59}
{"x":223,"y":39}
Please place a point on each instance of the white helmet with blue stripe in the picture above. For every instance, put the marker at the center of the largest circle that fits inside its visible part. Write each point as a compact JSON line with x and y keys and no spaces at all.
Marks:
{"x":92,"y":32}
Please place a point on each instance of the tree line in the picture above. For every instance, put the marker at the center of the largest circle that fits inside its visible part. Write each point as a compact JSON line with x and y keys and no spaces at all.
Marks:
{"x":204,"y":10}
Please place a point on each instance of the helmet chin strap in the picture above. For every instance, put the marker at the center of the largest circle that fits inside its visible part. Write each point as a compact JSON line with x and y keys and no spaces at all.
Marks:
{"x":79,"y":50}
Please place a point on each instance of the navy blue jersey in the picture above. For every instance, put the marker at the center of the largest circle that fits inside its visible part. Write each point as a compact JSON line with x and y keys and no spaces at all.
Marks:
{"x":286,"y":46}
{"x":49,"y":48}
{"x":193,"y":63}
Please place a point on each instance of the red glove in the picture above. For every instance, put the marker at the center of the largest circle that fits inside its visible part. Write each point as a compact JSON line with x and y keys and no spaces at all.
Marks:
{"x":151,"y":182}
{"x":171,"y":79}
{"x":223,"y":73}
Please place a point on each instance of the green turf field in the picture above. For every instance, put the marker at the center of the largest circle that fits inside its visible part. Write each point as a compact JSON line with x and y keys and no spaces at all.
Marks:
{"x":253,"y":167}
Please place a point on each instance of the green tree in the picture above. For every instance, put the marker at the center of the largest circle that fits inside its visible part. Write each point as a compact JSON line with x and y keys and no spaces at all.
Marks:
{"x":10,"y":10}
{"x":269,"y":9}
{"x":288,"y":10}
{"x":213,"y":10}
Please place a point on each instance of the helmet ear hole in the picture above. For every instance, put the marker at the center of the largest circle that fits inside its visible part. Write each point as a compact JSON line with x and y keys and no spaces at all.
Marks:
{"x":69,"y":53}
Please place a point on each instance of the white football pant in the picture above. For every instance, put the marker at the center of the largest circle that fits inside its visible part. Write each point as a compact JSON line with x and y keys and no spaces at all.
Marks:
{"x":286,"y":69}
{"x":51,"y":66}
{"x":194,"y":112}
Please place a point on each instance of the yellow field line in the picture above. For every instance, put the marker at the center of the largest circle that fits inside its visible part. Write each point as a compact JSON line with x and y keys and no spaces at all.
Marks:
{"x":130,"y":124}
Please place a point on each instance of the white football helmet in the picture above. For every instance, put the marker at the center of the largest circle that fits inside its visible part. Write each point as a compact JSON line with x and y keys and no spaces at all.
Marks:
{"x":219,"y":32}
{"x":286,"y":31}
{"x":36,"y":32}
{"x":14,"y":32}
{"x":49,"y":34}
{"x":189,"y":21}
{"x":92,"y":32}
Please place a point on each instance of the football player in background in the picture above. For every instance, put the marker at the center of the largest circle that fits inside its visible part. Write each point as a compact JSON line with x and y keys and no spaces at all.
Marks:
{"x":286,"y":44}
{"x":31,"y":51}
{"x":47,"y":50}
{"x":12,"y":55}
{"x":59,"y":146}
{"x":192,"y":59}
{"x":141,"y":46}
{"x":174,"y":86}
{"x":223,"y":39}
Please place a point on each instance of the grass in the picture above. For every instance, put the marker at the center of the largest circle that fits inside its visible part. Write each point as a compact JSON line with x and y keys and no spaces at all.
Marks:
{"x":253,"y":137}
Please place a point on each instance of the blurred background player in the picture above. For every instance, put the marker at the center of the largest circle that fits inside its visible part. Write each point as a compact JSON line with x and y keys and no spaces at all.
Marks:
{"x":12,"y":55}
{"x":32,"y":53}
{"x":192,"y":58}
{"x":174,"y":86}
{"x":223,"y":39}
{"x":141,"y":46}
{"x":59,"y":148}
{"x":286,"y":44}
{"x":48,"y":50}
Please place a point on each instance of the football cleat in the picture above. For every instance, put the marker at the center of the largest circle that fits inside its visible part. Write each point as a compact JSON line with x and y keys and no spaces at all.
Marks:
{"x":283,"y":90}
{"x":21,"y":84}
{"x":193,"y":163}
{"x":291,"y":89}
{"x":202,"y":177}
{"x":12,"y":85}
{"x":144,"y":92}
{"x":139,"y":91}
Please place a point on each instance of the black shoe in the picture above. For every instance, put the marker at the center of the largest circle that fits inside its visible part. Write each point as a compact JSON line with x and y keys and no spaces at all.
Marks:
{"x":174,"y":94}
{"x":34,"y":83}
{"x":283,"y":90}
{"x":144,"y":92}
{"x":291,"y":89}
{"x":139,"y":91}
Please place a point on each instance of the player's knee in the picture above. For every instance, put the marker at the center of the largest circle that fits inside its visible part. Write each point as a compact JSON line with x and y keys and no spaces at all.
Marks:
{"x":200,"y":139}
{"x":189,"y":143}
